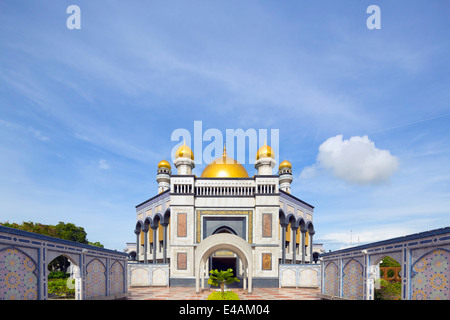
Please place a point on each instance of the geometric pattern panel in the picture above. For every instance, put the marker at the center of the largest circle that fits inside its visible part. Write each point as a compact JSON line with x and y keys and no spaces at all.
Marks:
{"x":18,"y":280}
{"x":353,"y":281}
{"x":331,"y":281}
{"x":95,"y":279}
{"x":430,"y":276}
{"x":117,"y":279}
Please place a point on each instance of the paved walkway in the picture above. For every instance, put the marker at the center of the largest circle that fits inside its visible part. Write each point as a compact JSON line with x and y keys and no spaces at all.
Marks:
{"x":181,"y":293}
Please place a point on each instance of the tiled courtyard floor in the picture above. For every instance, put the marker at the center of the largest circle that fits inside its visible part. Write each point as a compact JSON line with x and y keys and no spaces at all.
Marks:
{"x":180,"y":293}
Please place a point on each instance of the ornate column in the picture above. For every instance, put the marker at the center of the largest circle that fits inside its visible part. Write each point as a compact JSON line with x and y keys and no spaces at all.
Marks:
{"x":145,"y":245}
{"x":283,"y":242}
{"x":294,"y":245}
{"x":311,"y":246}
{"x":303,"y":245}
{"x":164,"y":242}
{"x":137,"y":232}
{"x":154,"y":242}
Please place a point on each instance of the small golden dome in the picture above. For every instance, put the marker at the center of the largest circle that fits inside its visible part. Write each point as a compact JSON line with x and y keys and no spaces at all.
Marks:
{"x":265,"y":152}
{"x":164,"y":164}
{"x":224,"y":167}
{"x":285,"y":164}
{"x":184,"y":152}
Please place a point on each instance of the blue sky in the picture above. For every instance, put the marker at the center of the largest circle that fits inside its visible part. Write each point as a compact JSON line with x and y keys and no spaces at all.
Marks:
{"x":86,"y":115}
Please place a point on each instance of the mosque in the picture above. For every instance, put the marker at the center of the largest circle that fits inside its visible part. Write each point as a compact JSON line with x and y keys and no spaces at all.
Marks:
{"x":224,"y":219}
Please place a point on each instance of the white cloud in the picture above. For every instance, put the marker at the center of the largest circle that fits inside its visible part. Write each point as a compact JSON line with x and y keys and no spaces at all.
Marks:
{"x":356,"y":160}
{"x":103,"y":164}
{"x":309,"y":172}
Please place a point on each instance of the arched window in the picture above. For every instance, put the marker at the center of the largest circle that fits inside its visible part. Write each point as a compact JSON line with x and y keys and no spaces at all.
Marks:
{"x":224,"y":229}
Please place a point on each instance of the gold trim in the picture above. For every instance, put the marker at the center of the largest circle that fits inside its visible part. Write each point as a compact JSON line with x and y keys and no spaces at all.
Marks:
{"x":249,"y":213}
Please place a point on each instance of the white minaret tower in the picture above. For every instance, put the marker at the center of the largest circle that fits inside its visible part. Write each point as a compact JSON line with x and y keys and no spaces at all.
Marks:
{"x":265,"y":160}
{"x":184,"y":160}
{"x":163,"y":176}
{"x":285,"y":173}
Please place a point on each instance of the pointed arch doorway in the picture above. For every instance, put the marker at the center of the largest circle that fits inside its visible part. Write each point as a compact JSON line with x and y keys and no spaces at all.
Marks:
{"x":223,"y":242}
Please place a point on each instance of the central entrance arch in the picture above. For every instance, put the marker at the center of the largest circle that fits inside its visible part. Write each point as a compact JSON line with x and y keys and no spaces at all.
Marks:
{"x":223,"y":260}
{"x":228,"y":242}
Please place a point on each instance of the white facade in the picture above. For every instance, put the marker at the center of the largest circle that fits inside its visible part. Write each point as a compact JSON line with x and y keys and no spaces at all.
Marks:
{"x":171,"y":225}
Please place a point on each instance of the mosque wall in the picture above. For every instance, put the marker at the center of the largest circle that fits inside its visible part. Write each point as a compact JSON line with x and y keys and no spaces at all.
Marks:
{"x":182,"y":237}
{"x":24,"y":257}
{"x":424,"y":258}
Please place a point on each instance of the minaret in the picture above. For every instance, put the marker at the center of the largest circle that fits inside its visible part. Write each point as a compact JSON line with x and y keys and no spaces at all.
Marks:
{"x":265,"y":160}
{"x":184,"y":160}
{"x":285,"y":173}
{"x":163,"y":176}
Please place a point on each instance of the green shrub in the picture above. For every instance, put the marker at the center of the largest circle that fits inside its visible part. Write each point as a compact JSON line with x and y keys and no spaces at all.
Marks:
{"x":59,"y":287}
{"x":227,"y":295}
{"x":389,"y":290}
{"x":58,"y":275}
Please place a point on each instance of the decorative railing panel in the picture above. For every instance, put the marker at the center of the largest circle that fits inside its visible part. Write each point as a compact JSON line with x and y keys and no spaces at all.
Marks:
{"x":391,"y":273}
{"x":148,"y":274}
{"x":300,"y":275}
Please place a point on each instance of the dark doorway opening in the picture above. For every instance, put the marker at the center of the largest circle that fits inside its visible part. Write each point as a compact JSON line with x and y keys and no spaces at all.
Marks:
{"x":224,"y":263}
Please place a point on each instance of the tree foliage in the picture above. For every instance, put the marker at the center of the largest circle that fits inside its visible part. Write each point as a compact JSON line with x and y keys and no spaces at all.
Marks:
{"x":71,"y":232}
{"x":389,"y":262}
{"x":67,"y":231}
{"x":62,"y":230}
{"x":40,"y":228}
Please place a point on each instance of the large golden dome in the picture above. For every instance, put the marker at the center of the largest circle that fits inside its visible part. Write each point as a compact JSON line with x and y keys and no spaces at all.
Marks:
{"x":184,"y":152}
{"x":224,"y":167}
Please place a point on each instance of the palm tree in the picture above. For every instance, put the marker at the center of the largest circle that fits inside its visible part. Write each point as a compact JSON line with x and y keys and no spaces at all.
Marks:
{"x":220,"y":278}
